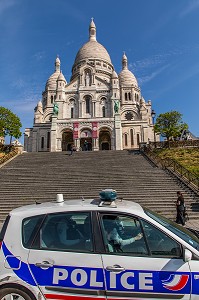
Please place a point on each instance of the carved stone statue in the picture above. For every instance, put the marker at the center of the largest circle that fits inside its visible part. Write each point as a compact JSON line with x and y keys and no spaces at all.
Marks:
{"x":87,"y":79}
{"x":55,"y":109}
{"x":116,"y":106}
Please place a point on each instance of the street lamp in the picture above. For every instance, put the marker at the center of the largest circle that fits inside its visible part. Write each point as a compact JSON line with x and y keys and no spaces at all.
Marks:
{"x":153,"y":114}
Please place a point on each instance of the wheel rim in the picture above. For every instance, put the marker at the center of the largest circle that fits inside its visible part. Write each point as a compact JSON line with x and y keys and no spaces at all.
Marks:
{"x":13,"y":296}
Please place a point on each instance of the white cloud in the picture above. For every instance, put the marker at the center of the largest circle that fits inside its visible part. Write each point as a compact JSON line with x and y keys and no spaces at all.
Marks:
{"x":69,"y":43}
{"x":6,"y":4}
{"x":39,"y":55}
{"x":191,"y":72}
{"x":193,"y":5}
{"x":148,"y":62}
{"x":148,"y":78}
{"x":18,"y":83}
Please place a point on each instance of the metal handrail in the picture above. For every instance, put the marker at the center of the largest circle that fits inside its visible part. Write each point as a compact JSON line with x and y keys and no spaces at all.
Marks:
{"x":182,"y":171}
{"x":174,"y":144}
{"x":175,"y":167}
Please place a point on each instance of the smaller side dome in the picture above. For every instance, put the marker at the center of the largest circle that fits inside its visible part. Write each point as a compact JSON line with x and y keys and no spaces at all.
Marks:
{"x":52,"y":80}
{"x":39,"y":107}
{"x":114,"y":75}
{"x":61,"y":77}
{"x":126,"y":77}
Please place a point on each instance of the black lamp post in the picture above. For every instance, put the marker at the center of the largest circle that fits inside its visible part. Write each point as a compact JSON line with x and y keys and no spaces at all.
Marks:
{"x":153,"y":114}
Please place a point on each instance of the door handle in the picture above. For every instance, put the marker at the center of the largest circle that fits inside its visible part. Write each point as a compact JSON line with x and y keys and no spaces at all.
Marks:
{"x":115,"y":268}
{"x":44,"y":264}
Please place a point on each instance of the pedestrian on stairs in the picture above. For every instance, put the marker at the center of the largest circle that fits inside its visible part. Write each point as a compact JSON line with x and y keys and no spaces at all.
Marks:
{"x":72,"y":149}
{"x":180,"y":209}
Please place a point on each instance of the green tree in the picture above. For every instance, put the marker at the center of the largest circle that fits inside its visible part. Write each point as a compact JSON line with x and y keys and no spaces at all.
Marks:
{"x":170,"y":125}
{"x":9,"y":124}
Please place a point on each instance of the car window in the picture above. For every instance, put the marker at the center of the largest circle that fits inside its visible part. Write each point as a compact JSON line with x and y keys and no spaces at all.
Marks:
{"x":159,"y":243}
{"x":123,"y":234}
{"x":30,"y":227}
{"x":4,"y":227}
{"x":66,"y":232}
{"x":180,"y":231}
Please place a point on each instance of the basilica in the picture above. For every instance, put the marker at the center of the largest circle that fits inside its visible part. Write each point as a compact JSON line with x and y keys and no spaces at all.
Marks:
{"x":97,"y":108}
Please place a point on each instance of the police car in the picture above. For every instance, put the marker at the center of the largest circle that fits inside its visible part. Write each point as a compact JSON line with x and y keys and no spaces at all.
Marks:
{"x":102,"y":248}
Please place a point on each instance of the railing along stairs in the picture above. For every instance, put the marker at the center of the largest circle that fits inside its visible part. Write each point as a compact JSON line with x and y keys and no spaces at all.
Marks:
{"x":172,"y":166}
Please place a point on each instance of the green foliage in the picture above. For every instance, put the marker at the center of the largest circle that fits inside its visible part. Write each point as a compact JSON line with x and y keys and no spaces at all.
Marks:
{"x":170,"y":125}
{"x":187,"y":157}
{"x":9,"y":124}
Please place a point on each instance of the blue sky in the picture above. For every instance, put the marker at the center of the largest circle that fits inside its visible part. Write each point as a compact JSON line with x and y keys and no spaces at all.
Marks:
{"x":159,"y":37}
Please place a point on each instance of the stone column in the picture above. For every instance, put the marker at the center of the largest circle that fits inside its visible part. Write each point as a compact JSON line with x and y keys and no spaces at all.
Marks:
{"x":35,"y":140}
{"x":95,"y":136}
{"x":118,"y":132}
{"x":53,"y":136}
{"x":59,"y":144}
{"x":96,"y":144}
{"x":77,"y":143}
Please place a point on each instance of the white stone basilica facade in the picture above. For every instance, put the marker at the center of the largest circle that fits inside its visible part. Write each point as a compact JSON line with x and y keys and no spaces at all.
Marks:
{"x":98,"y":106}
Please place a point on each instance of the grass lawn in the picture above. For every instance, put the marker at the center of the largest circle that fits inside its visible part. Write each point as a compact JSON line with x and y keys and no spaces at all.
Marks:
{"x":187,"y":157}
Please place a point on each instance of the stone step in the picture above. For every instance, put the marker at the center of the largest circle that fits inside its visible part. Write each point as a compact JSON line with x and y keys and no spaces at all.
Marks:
{"x":39,"y":177}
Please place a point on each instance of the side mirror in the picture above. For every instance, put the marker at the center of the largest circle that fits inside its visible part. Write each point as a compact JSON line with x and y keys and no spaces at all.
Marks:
{"x":187,"y":255}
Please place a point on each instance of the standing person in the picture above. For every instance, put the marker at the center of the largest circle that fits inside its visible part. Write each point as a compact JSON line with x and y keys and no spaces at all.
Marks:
{"x":86,"y":145}
{"x":180,"y":209}
{"x":72,"y":148}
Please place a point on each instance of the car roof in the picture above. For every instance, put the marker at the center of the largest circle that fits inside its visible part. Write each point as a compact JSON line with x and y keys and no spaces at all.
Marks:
{"x":76,"y":205}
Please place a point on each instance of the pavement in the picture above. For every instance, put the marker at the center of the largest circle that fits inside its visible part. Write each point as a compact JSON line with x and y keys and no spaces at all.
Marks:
{"x":193,"y":224}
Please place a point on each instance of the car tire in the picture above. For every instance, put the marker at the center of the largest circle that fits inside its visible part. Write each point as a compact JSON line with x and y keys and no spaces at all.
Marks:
{"x":14,"y":294}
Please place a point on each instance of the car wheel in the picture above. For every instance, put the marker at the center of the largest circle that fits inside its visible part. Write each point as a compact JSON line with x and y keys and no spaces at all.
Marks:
{"x":13,"y":294}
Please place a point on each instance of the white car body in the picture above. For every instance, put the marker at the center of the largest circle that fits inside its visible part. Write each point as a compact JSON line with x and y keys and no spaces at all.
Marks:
{"x":43,"y":271}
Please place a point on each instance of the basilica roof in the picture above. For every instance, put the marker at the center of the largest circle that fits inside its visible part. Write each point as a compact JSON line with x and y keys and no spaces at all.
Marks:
{"x":57,"y":75}
{"x":61,"y":77}
{"x":92,"y":49}
{"x":114,"y":74}
{"x":52,"y":80}
{"x":126,"y":77}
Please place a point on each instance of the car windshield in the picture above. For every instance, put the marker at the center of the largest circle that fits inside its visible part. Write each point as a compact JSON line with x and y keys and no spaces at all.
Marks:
{"x":180,"y":231}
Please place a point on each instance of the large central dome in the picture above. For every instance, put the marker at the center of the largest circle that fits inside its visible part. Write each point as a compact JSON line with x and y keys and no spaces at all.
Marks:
{"x":92,"y":49}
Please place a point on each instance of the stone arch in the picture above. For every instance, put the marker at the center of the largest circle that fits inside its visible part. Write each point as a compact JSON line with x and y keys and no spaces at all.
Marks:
{"x":86,"y":139}
{"x":103,"y":106}
{"x":125,"y":139}
{"x":104,"y":138}
{"x":48,"y":117}
{"x":67,"y":139}
{"x":102,"y":99}
{"x":88,"y":103}
{"x":72,"y":107}
{"x":72,"y":100}
{"x":132,"y":137}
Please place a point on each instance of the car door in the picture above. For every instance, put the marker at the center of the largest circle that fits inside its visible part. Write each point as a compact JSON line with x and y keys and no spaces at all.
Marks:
{"x":62,"y":258}
{"x":141,"y":261}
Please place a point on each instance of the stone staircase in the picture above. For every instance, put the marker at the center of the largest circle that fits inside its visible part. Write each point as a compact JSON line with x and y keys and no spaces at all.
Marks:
{"x":32,"y":177}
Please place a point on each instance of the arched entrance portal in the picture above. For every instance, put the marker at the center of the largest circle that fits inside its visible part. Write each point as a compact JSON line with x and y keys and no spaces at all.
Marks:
{"x":104,"y":139}
{"x":67,"y":140}
{"x":86,"y":140}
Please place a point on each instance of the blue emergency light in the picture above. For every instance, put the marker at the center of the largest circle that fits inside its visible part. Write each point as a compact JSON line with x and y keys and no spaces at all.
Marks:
{"x":108,"y":195}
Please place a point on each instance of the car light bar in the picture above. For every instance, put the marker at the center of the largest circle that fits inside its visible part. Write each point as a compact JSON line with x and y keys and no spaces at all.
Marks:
{"x":108,"y":197}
